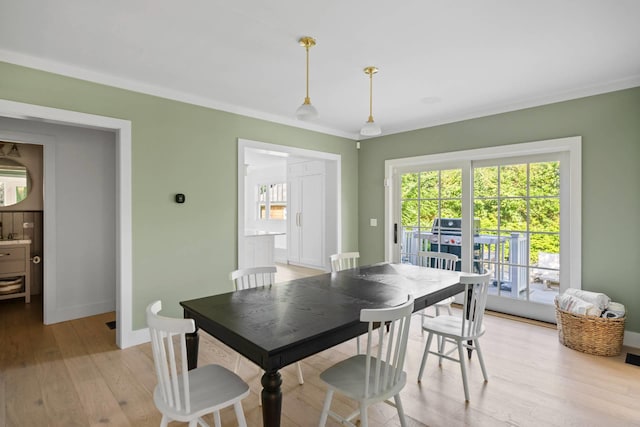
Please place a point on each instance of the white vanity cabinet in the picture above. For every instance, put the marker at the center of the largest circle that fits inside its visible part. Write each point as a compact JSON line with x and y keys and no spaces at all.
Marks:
{"x":15,"y":269}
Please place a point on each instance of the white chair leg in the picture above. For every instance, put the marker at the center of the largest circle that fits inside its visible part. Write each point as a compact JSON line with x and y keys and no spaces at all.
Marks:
{"x":424,"y":356}
{"x":449,"y":309}
{"x":442,"y":341}
{"x":165,"y":421}
{"x":235,"y":369}
{"x":216,"y":419}
{"x":437,"y":310}
{"x":463,"y":368}
{"x":237,"y":407}
{"x":403,"y":422}
{"x":481,"y":359}
{"x":325,"y":408}
{"x":193,"y":423}
{"x":364,"y":419}
{"x":300,"y":378}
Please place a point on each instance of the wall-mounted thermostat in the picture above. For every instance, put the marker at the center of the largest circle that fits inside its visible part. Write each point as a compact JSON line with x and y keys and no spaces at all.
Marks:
{"x":180,"y":198}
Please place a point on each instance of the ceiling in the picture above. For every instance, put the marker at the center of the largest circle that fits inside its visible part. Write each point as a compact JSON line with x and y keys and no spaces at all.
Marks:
{"x":440,"y":61}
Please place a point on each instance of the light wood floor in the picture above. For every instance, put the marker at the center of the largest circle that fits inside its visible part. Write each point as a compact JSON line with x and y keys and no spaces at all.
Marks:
{"x":72,"y":374}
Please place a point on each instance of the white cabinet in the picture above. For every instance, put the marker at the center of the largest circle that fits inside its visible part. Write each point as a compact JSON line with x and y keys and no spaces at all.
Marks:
{"x":15,"y":269}
{"x":306,"y":214}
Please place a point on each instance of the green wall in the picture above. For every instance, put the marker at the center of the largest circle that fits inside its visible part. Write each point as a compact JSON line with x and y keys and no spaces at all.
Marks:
{"x":609,"y":125}
{"x":181,"y":251}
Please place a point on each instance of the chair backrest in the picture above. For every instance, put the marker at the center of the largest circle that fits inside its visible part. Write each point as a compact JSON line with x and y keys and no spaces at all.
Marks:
{"x":172,"y":373}
{"x":384,"y":363}
{"x":253,"y":277}
{"x":475,"y":300}
{"x":344,"y":261}
{"x":443,"y":260}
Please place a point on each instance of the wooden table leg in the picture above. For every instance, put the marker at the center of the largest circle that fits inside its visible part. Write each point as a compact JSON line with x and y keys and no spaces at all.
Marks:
{"x":193,"y":341}
{"x":271,"y":399}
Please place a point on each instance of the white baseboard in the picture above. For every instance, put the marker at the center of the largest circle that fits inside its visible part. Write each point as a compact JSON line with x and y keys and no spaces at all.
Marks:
{"x":132,"y":338}
{"x":62,"y":314}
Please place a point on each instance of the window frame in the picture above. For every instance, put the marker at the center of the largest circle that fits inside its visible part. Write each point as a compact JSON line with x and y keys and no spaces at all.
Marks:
{"x":268,"y":201}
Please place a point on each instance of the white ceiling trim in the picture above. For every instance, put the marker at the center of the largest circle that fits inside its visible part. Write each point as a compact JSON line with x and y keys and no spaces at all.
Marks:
{"x":140,"y":87}
{"x":137,"y":86}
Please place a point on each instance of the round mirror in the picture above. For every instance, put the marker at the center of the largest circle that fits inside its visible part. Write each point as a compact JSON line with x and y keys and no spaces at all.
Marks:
{"x":15,"y":182}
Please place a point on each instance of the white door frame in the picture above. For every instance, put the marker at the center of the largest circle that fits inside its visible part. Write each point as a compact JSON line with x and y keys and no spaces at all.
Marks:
{"x":296,"y":152}
{"x":125,"y":335}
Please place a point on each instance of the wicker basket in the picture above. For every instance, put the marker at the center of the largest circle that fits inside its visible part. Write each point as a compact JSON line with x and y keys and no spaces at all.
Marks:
{"x":599,"y":336}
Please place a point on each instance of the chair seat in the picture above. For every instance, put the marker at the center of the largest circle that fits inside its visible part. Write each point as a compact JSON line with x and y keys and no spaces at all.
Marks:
{"x":448,"y":326}
{"x":347,"y":377}
{"x":212,"y":387}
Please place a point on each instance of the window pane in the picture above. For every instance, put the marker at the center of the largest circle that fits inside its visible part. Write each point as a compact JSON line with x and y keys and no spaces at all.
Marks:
{"x":409,"y":245}
{"x":513,"y":215}
{"x":409,"y":186}
{"x":545,"y":215}
{"x":428,"y":212}
{"x":548,"y":243}
{"x":429,"y":185}
{"x":277,"y":212}
{"x":451,"y":209}
{"x":485,"y":182}
{"x":487,"y":211}
{"x":513,"y":180}
{"x":545,"y":179}
{"x":410,"y":212}
{"x":451,"y":183}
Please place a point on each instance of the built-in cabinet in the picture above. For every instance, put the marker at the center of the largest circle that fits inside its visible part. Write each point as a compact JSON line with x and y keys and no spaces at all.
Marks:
{"x":306,"y":214}
{"x":15,"y":270}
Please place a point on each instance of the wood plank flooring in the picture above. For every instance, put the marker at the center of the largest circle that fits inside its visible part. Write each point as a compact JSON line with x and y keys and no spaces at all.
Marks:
{"x":72,"y":374}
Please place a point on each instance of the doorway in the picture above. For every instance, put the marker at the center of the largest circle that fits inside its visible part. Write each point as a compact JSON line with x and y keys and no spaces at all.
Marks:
{"x":121,"y":134}
{"x":263,"y":206}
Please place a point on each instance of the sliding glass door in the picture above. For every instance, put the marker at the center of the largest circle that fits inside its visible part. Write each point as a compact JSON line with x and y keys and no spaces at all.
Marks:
{"x":512,"y":215}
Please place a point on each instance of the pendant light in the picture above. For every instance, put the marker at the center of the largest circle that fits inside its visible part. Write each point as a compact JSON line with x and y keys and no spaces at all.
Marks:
{"x":370,"y":128}
{"x":307,"y":111}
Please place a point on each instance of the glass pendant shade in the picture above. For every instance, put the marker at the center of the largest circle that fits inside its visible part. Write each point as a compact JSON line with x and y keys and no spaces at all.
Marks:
{"x":306,"y":111}
{"x":370,"y":128}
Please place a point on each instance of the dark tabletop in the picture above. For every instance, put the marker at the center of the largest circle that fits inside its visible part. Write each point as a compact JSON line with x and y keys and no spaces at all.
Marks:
{"x":277,"y":325}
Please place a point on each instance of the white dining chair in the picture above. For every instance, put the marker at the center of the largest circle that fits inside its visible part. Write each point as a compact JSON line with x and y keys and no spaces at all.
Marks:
{"x":463,"y":331}
{"x":377,"y":375}
{"x":442,"y":260}
{"x":253,"y":277}
{"x":183,"y":395}
{"x":344,"y":261}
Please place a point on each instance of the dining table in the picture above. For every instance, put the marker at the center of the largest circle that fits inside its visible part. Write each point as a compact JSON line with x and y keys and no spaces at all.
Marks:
{"x":277,"y":325}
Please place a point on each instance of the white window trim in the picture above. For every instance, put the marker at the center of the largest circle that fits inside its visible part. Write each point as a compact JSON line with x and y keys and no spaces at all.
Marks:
{"x":570,"y":216}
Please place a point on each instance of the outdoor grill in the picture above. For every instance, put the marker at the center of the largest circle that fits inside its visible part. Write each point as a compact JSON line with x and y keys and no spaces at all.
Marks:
{"x":446,"y":236}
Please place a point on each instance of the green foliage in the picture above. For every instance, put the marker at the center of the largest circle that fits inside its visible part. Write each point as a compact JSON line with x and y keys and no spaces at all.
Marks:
{"x":499,"y":192}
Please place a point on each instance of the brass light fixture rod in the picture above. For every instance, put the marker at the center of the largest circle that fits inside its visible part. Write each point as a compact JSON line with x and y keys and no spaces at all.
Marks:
{"x":307,"y":42}
{"x":370,"y":71}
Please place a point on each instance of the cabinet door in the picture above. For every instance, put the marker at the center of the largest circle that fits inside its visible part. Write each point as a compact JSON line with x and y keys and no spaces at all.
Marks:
{"x":294,"y":206}
{"x":312,"y":220}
